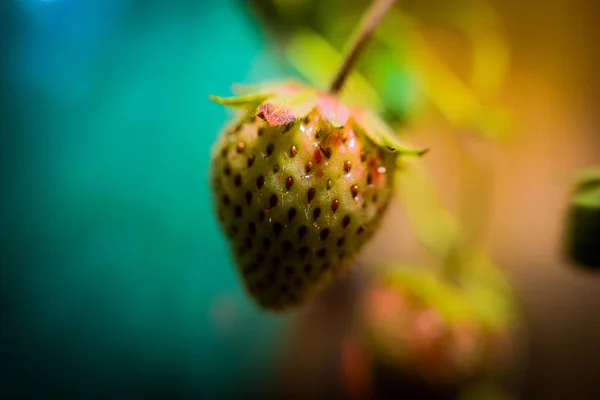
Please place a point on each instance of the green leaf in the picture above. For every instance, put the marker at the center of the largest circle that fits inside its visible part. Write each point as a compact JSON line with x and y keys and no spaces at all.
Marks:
{"x":586,"y":192}
{"x":588,"y":197}
{"x":583,"y":220}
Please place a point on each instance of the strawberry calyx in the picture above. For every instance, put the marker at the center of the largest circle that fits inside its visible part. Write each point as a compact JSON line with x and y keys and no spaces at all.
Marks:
{"x":282,"y":103}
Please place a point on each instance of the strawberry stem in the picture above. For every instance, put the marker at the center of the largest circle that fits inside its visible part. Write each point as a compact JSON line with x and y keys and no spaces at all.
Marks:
{"x":371,"y":19}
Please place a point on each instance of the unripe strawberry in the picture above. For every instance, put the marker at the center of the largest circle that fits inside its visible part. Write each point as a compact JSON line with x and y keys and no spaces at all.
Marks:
{"x":300,"y":183}
{"x":420,"y":336}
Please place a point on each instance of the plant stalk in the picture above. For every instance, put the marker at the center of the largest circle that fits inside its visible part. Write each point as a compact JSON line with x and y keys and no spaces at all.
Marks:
{"x":371,"y":19}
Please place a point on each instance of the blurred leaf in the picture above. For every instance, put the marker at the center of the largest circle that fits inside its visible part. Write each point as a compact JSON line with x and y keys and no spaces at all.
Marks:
{"x":429,"y":289}
{"x":434,"y":225}
{"x":487,"y":290}
{"x":490,"y":61}
{"x":588,"y":178}
{"x":317,"y":61}
{"x":484,"y":296}
{"x":583,"y":220}
{"x":589,"y":198}
{"x":450,"y":95}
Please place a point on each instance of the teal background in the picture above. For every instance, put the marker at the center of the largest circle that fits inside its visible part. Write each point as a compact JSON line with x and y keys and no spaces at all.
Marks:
{"x":116,"y":280}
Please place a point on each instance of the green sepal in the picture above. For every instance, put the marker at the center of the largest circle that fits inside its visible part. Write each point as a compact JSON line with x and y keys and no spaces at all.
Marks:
{"x":382,"y":135}
{"x":247,"y":101}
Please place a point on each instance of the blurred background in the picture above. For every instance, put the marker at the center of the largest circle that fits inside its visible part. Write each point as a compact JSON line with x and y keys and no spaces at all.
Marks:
{"x":116,"y":280}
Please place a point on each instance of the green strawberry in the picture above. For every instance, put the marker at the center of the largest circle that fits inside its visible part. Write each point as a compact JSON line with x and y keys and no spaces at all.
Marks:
{"x":300,"y":184}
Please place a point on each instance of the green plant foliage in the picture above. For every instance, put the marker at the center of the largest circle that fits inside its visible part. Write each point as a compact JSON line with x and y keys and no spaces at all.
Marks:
{"x":583,"y":221}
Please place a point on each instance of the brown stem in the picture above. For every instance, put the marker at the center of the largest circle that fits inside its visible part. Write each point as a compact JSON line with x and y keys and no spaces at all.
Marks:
{"x":371,"y":19}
